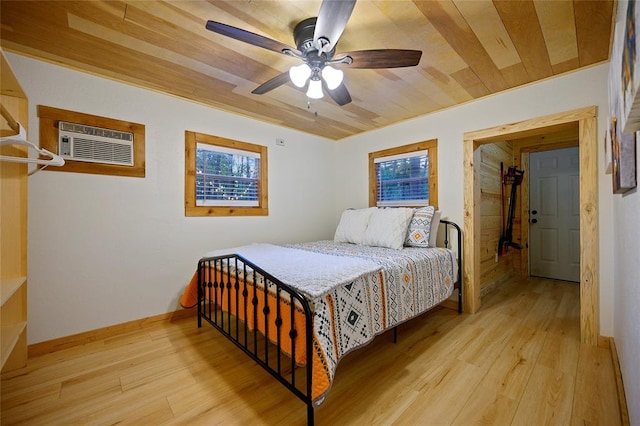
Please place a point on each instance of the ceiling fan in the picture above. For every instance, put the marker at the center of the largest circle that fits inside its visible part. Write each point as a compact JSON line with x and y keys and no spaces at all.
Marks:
{"x":316,"y":40}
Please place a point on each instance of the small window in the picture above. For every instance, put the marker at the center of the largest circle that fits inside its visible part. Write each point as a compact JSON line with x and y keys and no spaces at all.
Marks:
{"x":224,"y":177}
{"x":404,"y":176}
{"x":227,"y":177}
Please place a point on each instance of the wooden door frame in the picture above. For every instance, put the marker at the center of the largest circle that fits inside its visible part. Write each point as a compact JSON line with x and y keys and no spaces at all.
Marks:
{"x":586,"y":118}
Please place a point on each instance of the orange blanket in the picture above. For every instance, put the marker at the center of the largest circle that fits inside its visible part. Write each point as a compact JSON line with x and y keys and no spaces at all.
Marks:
{"x":351,"y":314}
{"x":227,"y":301}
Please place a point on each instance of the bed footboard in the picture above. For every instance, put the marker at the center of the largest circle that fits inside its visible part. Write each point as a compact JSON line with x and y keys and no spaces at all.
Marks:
{"x":270,"y":321}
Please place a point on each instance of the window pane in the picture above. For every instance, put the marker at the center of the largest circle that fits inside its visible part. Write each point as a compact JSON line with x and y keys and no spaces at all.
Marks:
{"x":403,"y":181}
{"x":226,"y":179}
{"x":199,"y":161}
{"x":199,"y":188}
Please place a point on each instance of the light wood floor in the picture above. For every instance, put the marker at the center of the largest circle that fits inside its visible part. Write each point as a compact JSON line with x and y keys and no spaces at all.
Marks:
{"x":519,"y":361}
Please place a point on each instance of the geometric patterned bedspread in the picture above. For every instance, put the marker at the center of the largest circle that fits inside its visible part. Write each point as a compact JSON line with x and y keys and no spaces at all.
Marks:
{"x":412,"y":281}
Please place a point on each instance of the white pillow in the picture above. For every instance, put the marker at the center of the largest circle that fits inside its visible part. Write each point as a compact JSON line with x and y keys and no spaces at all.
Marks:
{"x":420,"y":227}
{"x":352,"y":226}
{"x":388,"y":227}
{"x":433,"y":232}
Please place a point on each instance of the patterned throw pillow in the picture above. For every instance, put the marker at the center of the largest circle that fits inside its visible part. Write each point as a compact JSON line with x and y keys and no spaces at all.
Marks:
{"x":435,"y":222}
{"x":420,"y":227}
{"x":388,"y":227}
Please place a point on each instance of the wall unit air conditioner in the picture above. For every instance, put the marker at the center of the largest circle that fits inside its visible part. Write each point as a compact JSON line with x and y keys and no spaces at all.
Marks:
{"x":94,"y":144}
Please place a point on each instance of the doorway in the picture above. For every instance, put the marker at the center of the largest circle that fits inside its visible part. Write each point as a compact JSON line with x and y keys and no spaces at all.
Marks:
{"x":585,"y":119}
{"x":554,"y":214}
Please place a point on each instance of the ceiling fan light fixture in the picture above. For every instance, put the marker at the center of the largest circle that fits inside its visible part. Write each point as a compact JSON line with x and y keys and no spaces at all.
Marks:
{"x":332,"y":77}
{"x":316,"y":39}
{"x":299,"y":74}
{"x":315,"y":89}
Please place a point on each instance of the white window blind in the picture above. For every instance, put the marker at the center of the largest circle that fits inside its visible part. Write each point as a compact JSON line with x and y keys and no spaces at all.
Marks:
{"x":403,"y":179}
{"x":227,"y":176}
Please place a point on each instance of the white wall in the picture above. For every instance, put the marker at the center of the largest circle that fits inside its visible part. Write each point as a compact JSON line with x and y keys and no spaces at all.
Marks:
{"x":626,"y":237}
{"x":103,"y":250}
{"x":626,"y":255}
{"x":572,"y":91}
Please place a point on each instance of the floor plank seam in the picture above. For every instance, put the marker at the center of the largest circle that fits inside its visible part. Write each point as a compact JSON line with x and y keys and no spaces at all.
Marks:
{"x":495,"y":355}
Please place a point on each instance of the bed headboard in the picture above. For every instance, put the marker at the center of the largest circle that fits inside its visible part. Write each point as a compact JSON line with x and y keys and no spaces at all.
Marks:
{"x":453,"y":231}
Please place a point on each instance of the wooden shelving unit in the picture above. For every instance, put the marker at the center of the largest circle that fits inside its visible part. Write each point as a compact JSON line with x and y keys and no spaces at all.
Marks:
{"x":13,"y":228}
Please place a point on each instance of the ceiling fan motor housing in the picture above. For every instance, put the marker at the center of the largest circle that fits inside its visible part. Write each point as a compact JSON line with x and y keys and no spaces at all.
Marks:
{"x":303,"y":34}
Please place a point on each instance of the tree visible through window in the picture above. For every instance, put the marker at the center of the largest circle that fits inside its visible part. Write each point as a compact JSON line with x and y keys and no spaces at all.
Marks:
{"x":404,"y":176}
{"x":402,"y":181}
{"x":224,"y":177}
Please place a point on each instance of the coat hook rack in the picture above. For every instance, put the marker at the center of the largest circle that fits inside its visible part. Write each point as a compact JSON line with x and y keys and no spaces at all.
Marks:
{"x":21,"y":139}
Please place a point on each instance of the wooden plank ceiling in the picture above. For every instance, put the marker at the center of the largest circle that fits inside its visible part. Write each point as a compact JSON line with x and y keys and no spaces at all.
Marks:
{"x":470,"y":49}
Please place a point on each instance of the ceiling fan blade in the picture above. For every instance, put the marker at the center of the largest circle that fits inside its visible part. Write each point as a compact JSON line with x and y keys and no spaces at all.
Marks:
{"x":332,"y":18}
{"x":340,"y":94}
{"x":249,"y":37}
{"x":382,"y":58}
{"x":276,"y":81}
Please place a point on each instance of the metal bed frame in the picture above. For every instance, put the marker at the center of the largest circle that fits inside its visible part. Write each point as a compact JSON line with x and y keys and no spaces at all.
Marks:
{"x":236,"y":281}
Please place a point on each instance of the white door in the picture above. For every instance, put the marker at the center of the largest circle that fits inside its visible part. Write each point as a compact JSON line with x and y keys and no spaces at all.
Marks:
{"x":554,"y":215}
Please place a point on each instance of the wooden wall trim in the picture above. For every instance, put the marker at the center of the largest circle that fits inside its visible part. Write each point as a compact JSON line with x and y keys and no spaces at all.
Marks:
{"x":86,"y":337}
{"x":431,"y":146}
{"x":49,"y":118}
{"x":190,"y":205}
{"x":471,"y":232}
{"x":589,"y":241}
{"x":589,"y":238}
{"x":622,"y":399}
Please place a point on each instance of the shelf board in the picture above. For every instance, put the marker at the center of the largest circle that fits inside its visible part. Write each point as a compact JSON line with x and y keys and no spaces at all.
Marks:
{"x":9,"y":286}
{"x":10,"y":85}
{"x":10,"y":335}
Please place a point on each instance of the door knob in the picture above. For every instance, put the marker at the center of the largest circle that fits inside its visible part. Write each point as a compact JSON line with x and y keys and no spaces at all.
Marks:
{"x":534,"y":211}
{"x":534,"y":220}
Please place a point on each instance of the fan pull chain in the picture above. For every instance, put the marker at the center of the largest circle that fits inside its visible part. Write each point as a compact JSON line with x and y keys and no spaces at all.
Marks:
{"x":315,"y":113}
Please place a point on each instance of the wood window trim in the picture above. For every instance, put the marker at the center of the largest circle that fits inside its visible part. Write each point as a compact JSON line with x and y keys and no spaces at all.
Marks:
{"x":49,"y":118}
{"x":431,"y":146}
{"x":191,"y":209}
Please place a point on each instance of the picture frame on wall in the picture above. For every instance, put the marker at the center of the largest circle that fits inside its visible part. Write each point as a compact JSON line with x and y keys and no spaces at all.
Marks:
{"x":624,"y":102}
{"x":607,"y":149}
{"x":627,"y":51}
{"x":623,"y":159}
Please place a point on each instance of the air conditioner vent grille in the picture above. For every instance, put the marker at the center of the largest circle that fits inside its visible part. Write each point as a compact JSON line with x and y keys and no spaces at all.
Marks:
{"x":95,"y":144}
{"x":95,"y":131}
{"x":109,"y":152}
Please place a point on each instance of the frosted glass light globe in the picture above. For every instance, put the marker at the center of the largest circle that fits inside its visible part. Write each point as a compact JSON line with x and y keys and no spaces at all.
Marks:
{"x":315,"y":89}
{"x":299,"y":74}
{"x":332,"y":77}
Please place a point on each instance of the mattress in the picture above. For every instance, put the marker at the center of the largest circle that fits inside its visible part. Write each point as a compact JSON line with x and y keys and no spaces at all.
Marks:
{"x":374,"y":289}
